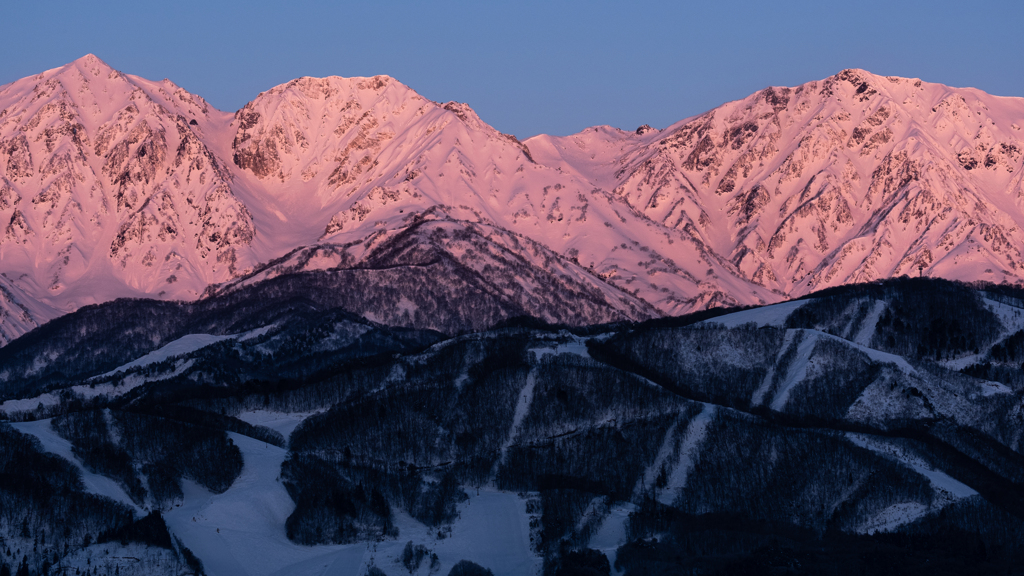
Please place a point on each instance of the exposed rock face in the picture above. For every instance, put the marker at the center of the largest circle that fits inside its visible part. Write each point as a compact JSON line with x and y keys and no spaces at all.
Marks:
{"x":108,"y":189}
{"x":112,"y":185}
{"x":851,"y":179}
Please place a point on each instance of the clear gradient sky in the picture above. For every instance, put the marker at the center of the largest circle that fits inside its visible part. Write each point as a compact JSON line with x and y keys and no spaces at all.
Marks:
{"x":528,"y":66}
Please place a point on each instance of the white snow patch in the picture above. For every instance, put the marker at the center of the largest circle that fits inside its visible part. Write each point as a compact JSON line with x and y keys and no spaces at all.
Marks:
{"x":577,"y":347}
{"x":184,"y":345}
{"x":53,"y":443}
{"x":29,"y":404}
{"x":893,"y":517}
{"x":774,"y":315}
{"x":876,"y":355}
{"x":256,"y":333}
{"x":242,"y":531}
{"x":407,"y":306}
{"x":283,"y":422}
{"x":940,"y":480}
{"x":877,"y":403}
{"x":594,"y":509}
{"x":798,"y":369}
{"x":1011,"y":317}
{"x":461,"y":380}
{"x":130,"y":382}
{"x":957,"y":364}
{"x":651,"y":474}
{"x":993,"y":388}
{"x":87,"y":391}
{"x":493,"y":530}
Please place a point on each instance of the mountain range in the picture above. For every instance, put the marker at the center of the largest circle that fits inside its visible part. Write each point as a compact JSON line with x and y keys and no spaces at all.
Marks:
{"x":113,"y":186}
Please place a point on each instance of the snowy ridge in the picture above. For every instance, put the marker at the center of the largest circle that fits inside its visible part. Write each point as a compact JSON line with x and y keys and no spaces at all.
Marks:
{"x":112,"y":186}
{"x":948,"y":489}
{"x":850,"y":179}
{"x":109,"y":190}
{"x":774,"y":315}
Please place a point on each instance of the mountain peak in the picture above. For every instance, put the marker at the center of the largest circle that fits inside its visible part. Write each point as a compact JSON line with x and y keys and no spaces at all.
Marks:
{"x":90,"y":65}
{"x":90,"y":59}
{"x":329,"y":87}
{"x":869,"y":76}
{"x":865,"y":84}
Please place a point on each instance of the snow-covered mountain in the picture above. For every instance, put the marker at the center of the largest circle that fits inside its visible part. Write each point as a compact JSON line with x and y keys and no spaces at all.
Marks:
{"x":112,"y":186}
{"x":109,"y":189}
{"x":851,"y":179}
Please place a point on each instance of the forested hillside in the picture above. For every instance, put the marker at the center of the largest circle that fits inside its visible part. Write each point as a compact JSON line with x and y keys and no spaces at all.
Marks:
{"x":869,"y":428}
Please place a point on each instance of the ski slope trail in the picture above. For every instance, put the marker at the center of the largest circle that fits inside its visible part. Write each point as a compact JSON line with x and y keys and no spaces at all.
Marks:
{"x":797,"y":370}
{"x":612,"y":534}
{"x":95,"y":483}
{"x":766,"y":384}
{"x":689,"y":448}
{"x":664,"y":452}
{"x":947,"y":489}
{"x":242,"y":531}
{"x":867,"y":329}
{"x":522,"y":409}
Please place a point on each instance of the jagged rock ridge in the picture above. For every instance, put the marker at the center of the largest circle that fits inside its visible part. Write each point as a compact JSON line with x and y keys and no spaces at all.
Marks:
{"x":112,"y":185}
{"x":851,"y":179}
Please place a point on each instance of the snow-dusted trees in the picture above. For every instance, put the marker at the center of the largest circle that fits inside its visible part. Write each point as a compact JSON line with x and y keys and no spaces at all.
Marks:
{"x":44,"y":508}
{"x":127,"y":446}
{"x":704,"y":362}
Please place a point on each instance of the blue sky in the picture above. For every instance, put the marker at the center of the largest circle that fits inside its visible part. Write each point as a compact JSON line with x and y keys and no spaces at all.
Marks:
{"x":528,"y":67}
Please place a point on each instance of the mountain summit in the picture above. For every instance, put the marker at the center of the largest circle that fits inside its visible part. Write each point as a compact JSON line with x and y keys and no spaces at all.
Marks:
{"x":851,"y":179}
{"x":116,"y":186}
